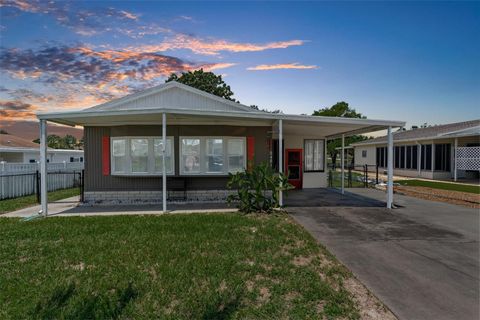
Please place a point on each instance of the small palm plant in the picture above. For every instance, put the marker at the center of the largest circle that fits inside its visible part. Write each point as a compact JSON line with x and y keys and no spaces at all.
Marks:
{"x":257,"y":188}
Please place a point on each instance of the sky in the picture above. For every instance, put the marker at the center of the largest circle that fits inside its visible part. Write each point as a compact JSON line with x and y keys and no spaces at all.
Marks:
{"x":413,"y":61}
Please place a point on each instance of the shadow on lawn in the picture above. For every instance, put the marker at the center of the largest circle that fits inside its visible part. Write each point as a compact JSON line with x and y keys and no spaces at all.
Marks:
{"x":92,"y":306}
{"x":221,"y":309}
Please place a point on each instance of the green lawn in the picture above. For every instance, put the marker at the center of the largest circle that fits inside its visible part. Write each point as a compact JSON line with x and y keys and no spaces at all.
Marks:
{"x":210,"y":266}
{"x":441,"y":185}
{"x":28,"y":201}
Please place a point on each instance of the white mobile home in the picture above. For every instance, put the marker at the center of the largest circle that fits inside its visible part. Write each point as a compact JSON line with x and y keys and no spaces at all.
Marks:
{"x":442,"y":152}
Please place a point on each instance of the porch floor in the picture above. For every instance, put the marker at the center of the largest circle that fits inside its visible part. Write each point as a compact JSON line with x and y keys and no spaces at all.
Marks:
{"x":321,"y":197}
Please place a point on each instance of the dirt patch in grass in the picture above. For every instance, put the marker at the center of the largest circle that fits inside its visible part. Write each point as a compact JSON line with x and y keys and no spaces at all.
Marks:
{"x":369,"y":306}
{"x":466,"y":199}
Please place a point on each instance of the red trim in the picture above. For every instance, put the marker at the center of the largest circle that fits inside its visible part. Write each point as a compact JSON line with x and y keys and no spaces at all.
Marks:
{"x":297,"y":183}
{"x":106,"y":155}
{"x":250,"y":152}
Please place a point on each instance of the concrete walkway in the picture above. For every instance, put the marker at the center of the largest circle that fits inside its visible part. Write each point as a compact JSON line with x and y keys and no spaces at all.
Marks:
{"x":421,"y":260}
{"x":70,"y":207}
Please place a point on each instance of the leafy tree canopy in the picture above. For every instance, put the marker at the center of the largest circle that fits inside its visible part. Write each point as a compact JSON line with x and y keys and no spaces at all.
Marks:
{"x":340,"y":109}
{"x":205,"y":81}
{"x":67,"y":142}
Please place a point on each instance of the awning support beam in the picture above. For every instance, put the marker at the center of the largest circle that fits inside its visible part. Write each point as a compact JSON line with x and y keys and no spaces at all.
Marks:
{"x":342,"y":157}
{"x":43,"y":168}
{"x":390,"y":169}
{"x":164,"y":173}
{"x":455,"y":160}
{"x":280,"y":158}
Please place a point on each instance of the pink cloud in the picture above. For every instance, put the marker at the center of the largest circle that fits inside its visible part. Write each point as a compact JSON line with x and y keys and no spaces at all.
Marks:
{"x":281,"y":66}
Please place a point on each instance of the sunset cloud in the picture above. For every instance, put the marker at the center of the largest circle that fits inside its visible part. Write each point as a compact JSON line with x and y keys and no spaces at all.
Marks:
{"x":213,"y":46}
{"x":16,"y":110}
{"x":81,"y":76}
{"x":280,"y":66}
{"x":86,"y":22}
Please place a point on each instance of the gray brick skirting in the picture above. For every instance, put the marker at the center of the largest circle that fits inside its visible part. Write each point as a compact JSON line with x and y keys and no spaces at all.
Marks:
{"x":154,"y":197}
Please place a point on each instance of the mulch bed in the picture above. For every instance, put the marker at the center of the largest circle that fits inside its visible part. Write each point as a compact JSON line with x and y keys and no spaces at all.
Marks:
{"x":470,"y":200}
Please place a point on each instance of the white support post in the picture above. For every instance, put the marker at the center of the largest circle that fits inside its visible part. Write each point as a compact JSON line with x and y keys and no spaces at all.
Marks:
{"x":455,"y":160}
{"x":419,"y":159}
{"x":43,"y":167}
{"x":433,"y":158}
{"x":164,"y":173}
{"x":390,"y":169}
{"x":342,"y":157}
{"x":280,"y":157}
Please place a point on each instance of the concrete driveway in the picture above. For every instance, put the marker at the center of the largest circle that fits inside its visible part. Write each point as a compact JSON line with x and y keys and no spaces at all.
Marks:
{"x":421,"y":260}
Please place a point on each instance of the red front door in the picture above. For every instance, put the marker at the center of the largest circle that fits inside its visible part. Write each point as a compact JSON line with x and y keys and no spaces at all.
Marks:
{"x":293,"y":167}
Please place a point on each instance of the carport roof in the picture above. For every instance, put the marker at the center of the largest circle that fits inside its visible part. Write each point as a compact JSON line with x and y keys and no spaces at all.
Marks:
{"x":185,"y":105}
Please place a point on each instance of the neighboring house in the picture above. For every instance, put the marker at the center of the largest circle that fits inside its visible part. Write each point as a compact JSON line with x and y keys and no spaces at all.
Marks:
{"x":449,"y":151}
{"x":14,"y":149}
{"x":206,"y":138}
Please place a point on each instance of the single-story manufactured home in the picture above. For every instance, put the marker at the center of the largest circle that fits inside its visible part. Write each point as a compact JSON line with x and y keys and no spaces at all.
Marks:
{"x":450,"y":151}
{"x":14,"y":149}
{"x":175,"y":142}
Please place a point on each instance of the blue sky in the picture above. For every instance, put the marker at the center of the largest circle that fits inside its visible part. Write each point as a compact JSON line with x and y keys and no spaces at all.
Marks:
{"x":417,"y":62}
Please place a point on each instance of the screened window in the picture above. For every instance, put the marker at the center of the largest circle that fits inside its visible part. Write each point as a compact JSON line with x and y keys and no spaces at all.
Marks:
{"x":158,"y":150}
{"x":190,"y":156}
{"x":426,"y":157}
{"x":382,"y":157}
{"x":212,"y":155}
{"x":236,"y":154}
{"x":140,"y":155}
{"x":409,"y":157}
{"x":314,"y":155}
{"x":119,"y":156}
{"x":364,"y":153}
{"x":397,"y":157}
{"x":442,"y":157}
{"x":215,"y":155}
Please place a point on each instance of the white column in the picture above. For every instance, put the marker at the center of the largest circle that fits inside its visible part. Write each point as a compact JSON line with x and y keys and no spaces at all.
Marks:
{"x":342,"y":157}
{"x":419,"y":159}
{"x":390,"y":169}
{"x":455,"y":160}
{"x":433,"y":158}
{"x":164,"y":173}
{"x":280,"y":157}
{"x":43,"y":167}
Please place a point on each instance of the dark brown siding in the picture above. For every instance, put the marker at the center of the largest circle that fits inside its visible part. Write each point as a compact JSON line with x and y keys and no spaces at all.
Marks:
{"x":95,"y":181}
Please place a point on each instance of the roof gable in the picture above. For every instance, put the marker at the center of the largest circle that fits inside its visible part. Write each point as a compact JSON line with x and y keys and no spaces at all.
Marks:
{"x":172,"y":95}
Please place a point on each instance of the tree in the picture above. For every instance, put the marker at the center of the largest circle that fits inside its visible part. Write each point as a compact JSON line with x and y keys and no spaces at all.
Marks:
{"x":205,"y":81}
{"x":67,"y":142}
{"x":340,"y":109}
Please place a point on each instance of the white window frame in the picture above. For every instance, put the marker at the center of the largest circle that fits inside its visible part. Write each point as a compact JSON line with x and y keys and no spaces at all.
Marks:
{"x":151,"y":156}
{"x":322,"y":153}
{"x":203,"y":155}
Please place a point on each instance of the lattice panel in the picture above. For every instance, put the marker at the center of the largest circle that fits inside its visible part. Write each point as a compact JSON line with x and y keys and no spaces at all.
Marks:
{"x":468,"y":158}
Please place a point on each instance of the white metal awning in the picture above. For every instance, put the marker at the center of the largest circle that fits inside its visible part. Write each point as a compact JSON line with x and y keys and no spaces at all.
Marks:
{"x":330,"y":127}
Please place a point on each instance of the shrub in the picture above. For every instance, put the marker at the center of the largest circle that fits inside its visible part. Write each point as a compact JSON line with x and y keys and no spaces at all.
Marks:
{"x":254,"y":186}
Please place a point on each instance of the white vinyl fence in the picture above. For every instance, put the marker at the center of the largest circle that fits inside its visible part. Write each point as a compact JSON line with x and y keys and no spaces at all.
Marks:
{"x":20,"y":179}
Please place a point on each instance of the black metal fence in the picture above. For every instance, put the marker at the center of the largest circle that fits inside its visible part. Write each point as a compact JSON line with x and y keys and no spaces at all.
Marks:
{"x":355,"y":176}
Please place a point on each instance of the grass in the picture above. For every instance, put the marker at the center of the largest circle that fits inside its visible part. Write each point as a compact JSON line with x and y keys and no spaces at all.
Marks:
{"x":211,"y":266}
{"x":28,"y":201}
{"x":441,"y":185}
